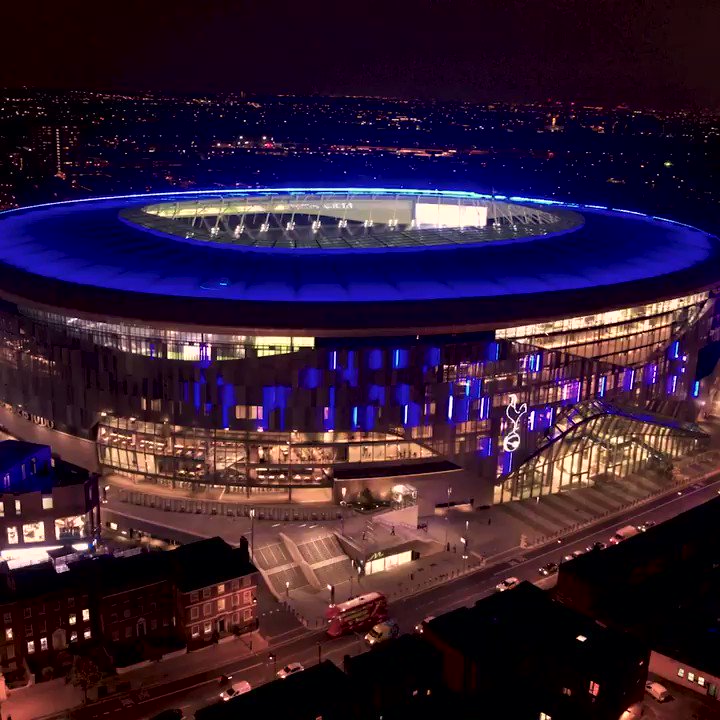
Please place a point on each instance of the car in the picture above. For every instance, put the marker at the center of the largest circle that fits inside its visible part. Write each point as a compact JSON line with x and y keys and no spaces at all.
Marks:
{"x":507,"y":584}
{"x":237,"y":688}
{"x":577,"y":553}
{"x":596,"y":546}
{"x":290,"y":669}
{"x":420,"y":627}
{"x":549,"y":569}
{"x":644,"y":527}
{"x":658,"y":691}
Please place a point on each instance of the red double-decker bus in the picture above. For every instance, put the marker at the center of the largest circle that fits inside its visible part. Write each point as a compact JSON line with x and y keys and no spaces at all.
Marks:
{"x":360,"y":613}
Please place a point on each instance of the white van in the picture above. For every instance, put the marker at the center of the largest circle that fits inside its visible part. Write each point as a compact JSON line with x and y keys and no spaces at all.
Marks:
{"x":658,"y":691}
{"x":237,"y":688}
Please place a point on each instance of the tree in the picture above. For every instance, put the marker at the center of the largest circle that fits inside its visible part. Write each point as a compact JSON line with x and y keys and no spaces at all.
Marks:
{"x":366,"y":497}
{"x":84,"y":674}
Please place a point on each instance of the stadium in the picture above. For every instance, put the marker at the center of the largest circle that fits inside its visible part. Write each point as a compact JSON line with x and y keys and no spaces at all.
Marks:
{"x":302,"y":344}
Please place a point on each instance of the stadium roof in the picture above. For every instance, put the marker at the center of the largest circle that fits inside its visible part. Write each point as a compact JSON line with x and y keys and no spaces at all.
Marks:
{"x":85,"y":258}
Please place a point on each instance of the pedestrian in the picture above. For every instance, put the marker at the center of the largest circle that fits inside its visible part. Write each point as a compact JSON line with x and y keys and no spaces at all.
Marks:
{"x":392,"y":532}
{"x":489,"y":521}
{"x":454,"y":548}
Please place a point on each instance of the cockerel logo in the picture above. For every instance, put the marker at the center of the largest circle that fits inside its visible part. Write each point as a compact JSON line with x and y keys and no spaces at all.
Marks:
{"x":514,"y":414}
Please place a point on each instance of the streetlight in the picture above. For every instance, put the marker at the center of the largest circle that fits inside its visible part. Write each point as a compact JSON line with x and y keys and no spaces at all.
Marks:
{"x":252,"y":532}
{"x":273,"y":659}
{"x":447,"y":517}
{"x":465,"y":553}
{"x":287,"y":589}
{"x":331,"y":588}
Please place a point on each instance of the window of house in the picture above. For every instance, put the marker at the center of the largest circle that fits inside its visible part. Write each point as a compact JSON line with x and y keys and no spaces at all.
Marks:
{"x":73,"y":636}
{"x":235,"y":600}
{"x":2,"y":509}
{"x":221,"y":588}
{"x":247,"y":615}
{"x":87,"y":634}
{"x":594,"y":689}
{"x":29,"y":631}
{"x":247,"y":597}
{"x":31,"y":647}
{"x":235,"y":584}
{"x":195,"y":631}
{"x":153,"y":624}
{"x":115,"y":635}
{"x":18,"y":507}
{"x":236,"y":618}
{"x":72,"y":619}
{"x":27,"y":612}
{"x":7,"y":618}
{"x":113,"y":617}
{"x":71,"y":602}
{"x":12,"y":536}
{"x":545,"y":716}
{"x":42,"y":626}
{"x":221,"y":604}
{"x":126,"y":612}
{"x":128,"y":632}
{"x":47,"y":502}
{"x":86,"y":615}
{"x":8,"y":634}
{"x":41,"y":611}
{"x":43,"y":643}
{"x":701,"y":681}
{"x":194,"y":613}
{"x":691,"y":677}
{"x":206,"y":593}
{"x":681,"y":672}
{"x":194,"y":596}
{"x":165,"y":622}
{"x":206,"y":609}
{"x":567,"y":691}
{"x":208,"y":628}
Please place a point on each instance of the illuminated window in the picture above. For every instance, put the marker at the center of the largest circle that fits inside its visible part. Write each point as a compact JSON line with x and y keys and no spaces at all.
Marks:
{"x":221,"y":604}
{"x":85,"y":615}
{"x":207,"y":610}
{"x":594,"y":689}
{"x":34,"y":532}
{"x":12,"y":536}
{"x":47,"y":502}
{"x":581,"y":638}
{"x":701,"y":681}
{"x":221,"y":588}
{"x":691,"y":677}
{"x":8,"y":634}
{"x":194,"y":613}
{"x":208,"y":628}
{"x":87,"y":634}
{"x":206,"y":593}
{"x":73,"y":636}
{"x":72,"y":619}
{"x":31,"y":647}
{"x":18,"y":507}
{"x":43,"y":643}
{"x":567,"y":691}
{"x":681,"y":672}
{"x":2,"y":509}
{"x":545,"y":716}
{"x":195,"y":631}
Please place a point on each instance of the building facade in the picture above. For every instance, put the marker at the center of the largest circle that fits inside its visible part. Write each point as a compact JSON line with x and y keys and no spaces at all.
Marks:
{"x":314,"y":365}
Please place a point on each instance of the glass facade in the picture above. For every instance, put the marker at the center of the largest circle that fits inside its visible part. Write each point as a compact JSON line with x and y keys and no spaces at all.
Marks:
{"x":188,"y":409}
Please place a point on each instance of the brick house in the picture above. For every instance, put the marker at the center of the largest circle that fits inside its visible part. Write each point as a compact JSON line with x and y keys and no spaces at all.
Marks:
{"x":216,"y":590}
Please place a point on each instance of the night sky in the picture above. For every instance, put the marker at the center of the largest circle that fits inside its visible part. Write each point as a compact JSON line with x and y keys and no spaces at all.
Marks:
{"x":643,"y":52}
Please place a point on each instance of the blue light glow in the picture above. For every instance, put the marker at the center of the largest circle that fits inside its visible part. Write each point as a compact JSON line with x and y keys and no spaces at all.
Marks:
{"x":531,"y":420}
{"x":333,"y":360}
{"x":675,"y":350}
{"x":696,"y":388}
{"x":355,"y":416}
{"x":601,"y":386}
{"x":451,"y":404}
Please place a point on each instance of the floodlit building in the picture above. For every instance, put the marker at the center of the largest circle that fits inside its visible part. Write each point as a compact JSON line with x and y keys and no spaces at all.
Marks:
{"x":45,"y":503}
{"x":295,"y":343}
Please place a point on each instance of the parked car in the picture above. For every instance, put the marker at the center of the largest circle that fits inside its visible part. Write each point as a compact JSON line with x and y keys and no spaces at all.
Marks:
{"x":549,"y":569}
{"x":596,"y":546}
{"x":507,"y":584}
{"x":420,"y":627}
{"x":658,"y":691}
{"x":237,"y":688}
{"x":290,"y":669}
{"x":381,"y":632}
{"x":643,"y":527}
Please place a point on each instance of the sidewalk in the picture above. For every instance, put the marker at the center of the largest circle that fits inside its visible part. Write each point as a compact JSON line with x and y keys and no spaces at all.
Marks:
{"x":50,"y":699}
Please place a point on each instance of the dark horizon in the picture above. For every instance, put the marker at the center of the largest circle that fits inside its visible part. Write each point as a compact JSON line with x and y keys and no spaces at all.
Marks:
{"x":454,"y":50}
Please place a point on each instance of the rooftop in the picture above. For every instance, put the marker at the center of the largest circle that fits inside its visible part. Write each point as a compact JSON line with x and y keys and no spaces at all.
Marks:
{"x":95,"y":263}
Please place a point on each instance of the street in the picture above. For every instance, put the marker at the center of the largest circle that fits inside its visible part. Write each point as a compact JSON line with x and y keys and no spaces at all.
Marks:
{"x":301,"y":645}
